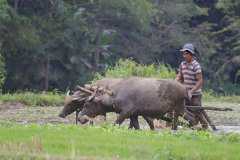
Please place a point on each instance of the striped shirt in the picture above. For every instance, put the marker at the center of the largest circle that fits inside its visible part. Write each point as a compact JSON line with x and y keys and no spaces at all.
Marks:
{"x":188,"y":72}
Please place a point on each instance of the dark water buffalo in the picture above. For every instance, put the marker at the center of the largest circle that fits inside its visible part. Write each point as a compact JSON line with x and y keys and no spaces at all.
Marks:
{"x":76,"y":101}
{"x":71,"y":104}
{"x":135,"y":96}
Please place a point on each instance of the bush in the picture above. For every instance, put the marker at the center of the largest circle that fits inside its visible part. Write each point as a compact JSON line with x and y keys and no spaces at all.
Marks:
{"x":34,"y":99}
{"x":128,"y":68}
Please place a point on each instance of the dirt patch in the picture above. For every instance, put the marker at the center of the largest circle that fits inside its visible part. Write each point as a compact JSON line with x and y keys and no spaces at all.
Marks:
{"x":10,"y":105}
{"x":225,"y":118}
{"x":19,"y":113}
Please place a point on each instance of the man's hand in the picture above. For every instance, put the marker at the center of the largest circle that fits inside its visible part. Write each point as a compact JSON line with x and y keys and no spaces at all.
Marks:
{"x":189,"y":93}
{"x":179,"y":78}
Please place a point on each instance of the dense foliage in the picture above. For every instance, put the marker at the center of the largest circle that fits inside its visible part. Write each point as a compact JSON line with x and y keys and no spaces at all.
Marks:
{"x":59,"y":43}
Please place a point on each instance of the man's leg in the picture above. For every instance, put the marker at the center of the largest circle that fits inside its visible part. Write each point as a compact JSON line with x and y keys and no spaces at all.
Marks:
{"x":197,"y":101}
{"x":190,"y":117}
{"x":189,"y":114}
{"x":201,"y":118}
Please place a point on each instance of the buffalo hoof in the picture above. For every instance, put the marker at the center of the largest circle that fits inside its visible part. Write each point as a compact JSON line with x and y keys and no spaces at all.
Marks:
{"x":61,"y":115}
{"x":83,"y":120}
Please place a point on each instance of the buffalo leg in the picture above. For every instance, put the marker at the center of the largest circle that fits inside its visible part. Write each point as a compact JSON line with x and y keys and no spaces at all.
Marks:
{"x":77,"y":112}
{"x":83,"y":119}
{"x":149,"y":122}
{"x":105,"y":117}
{"x":91,"y":122}
{"x":169,"y":124}
{"x":134,"y":122}
{"x":130,"y":124}
{"x":201,"y":118}
{"x":175,"y":121}
{"x":190,"y":117}
{"x":174,"y":118}
{"x":122,"y":116}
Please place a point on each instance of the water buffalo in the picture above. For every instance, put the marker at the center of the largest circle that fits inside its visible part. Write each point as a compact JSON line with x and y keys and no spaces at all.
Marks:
{"x":135,"y":96}
{"x":76,"y":101}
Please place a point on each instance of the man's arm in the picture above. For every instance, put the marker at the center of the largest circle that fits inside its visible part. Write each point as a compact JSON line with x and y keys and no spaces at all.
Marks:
{"x":179,"y":77}
{"x":199,"y":83}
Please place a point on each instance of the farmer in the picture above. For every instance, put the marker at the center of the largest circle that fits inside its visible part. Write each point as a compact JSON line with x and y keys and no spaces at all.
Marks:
{"x":190,"y":75}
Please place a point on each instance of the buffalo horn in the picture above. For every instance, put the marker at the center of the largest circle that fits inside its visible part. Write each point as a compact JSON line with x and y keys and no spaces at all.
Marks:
{"x":109,"y":92}
{"x":79,"y":99}
{"x":91,"y":97}
{"x":84,"y":90}
{"x":68,"y":92}
{"x":87,"y":86}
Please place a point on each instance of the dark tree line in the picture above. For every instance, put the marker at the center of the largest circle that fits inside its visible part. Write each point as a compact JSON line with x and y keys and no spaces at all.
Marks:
{"x":48,"y":44}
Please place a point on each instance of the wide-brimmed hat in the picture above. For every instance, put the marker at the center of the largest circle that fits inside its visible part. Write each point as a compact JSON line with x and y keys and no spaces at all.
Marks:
{"x":188,"y":47}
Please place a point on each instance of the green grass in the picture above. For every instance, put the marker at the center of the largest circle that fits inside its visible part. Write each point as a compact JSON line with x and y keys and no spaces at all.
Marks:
{"x":108,"y":142}
{"x":34,"y":99}
{"x":210,"y":96}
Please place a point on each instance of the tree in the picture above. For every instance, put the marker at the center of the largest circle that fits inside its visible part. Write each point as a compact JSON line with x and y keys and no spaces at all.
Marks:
{"x":225,"y":33}
{"x":60,"y":43}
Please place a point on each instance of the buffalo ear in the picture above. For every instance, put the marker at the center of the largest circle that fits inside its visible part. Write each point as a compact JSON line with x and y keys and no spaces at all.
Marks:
{"x":106,"y":100}
{"x":67,"y":100}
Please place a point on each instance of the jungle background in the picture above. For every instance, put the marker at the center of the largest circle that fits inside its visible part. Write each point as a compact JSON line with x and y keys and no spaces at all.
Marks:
{"x":50,"y":45}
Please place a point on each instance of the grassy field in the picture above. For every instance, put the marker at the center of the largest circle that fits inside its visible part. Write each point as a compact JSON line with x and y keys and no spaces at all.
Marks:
{"x":34,"y":141}
{"x":31,"y":129}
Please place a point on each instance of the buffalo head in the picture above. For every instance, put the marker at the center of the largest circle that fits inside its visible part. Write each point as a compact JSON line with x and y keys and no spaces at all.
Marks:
{"x":97,"y":105}
{"x":72,"y":103}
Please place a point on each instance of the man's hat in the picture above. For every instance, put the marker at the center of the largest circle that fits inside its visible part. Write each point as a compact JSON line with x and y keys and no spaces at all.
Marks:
{"x":188,"y":47}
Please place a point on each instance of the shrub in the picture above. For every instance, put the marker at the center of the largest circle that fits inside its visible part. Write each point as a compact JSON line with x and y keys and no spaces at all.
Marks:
{"x":34,"y":99}
{"x":128,"y":68}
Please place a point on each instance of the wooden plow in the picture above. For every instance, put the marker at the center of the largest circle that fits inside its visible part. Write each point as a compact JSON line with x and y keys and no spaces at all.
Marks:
{"x":201,"y":110}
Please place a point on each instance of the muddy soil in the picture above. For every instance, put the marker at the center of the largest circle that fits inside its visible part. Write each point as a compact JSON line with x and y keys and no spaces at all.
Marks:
{"x":16,"y":112}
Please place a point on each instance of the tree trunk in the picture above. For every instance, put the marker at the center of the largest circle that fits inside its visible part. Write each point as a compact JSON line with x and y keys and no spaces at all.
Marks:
{"x":98,"y":47}
{"x":46,"y":76}
{"x":16,"y":5}
{"x":229,"y":70}
{"x":74,"y":3}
